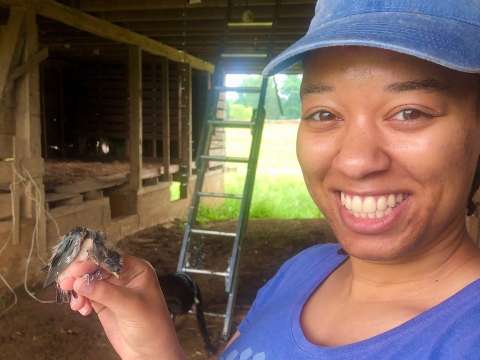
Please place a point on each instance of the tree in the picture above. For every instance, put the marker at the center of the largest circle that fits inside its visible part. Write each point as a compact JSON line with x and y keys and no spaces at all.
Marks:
{"x":288,"y":93}
{"x":291,"y":93}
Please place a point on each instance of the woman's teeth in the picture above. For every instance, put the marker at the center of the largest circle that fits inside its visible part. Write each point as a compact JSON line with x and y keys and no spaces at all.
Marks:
{"x":371,"y":206}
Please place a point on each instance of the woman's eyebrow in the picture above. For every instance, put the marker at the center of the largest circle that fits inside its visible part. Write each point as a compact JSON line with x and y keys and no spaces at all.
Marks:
{"x":423,"y":84}
{"x":310,"y":88}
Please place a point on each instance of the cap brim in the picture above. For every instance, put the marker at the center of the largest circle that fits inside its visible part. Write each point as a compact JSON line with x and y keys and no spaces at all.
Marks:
{"x":449,"y":43}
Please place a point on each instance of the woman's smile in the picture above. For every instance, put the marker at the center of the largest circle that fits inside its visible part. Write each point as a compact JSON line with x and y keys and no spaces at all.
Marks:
{"x":371,"y":214}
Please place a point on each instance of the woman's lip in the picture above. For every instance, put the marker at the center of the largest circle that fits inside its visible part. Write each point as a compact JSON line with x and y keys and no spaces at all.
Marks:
{"x":372,"y":226}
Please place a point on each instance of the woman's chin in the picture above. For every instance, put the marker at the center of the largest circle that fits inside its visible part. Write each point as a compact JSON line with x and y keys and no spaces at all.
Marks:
{"x":377,"y":248}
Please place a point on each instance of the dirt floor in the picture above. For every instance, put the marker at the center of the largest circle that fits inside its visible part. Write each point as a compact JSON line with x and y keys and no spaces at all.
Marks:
{"x":37,"y":331}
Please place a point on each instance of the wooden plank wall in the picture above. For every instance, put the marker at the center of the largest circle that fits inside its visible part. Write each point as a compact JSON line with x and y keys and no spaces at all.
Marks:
{"x":86,"y":101}
{"x":153,"y":108}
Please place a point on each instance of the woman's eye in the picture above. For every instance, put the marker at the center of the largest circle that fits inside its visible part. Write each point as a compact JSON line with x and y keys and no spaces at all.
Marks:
{"x":321,"y":116}
{"x":410,"y":114}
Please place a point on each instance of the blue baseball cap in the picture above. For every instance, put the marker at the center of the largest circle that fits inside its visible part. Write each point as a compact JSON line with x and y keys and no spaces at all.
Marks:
{"x":445,"y":32}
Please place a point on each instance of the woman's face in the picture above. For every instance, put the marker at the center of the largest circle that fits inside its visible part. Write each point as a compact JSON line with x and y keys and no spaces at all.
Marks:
{"x":388,"y":145}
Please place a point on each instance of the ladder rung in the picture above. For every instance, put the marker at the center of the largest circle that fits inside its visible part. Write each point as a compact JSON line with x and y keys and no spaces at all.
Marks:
{"x":221,"y":195}
{"x":238,"y":89}
{"x":225,"y":158}
{"x":206,"y":313}
{"x":214,"y":233}
{"x":205,"y":272}
{"x":232,"y":124}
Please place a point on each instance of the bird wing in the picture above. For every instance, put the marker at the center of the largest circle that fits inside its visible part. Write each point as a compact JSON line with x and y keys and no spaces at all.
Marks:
{"x":64,"y":253}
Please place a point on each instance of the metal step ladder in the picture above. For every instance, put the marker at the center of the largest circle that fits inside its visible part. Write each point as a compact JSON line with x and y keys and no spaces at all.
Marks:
{"x":213,"y":122}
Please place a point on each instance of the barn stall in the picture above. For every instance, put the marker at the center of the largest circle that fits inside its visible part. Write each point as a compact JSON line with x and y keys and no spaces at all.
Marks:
{"x":92,"y":132}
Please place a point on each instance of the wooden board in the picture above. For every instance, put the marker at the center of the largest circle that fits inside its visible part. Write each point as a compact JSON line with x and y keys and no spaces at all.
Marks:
{"x":5,"y":172}
{"x":135,"y":113}
{"x":6,"y":146}
{"x":91,"y":24}
{"x":5,"y":205}
{"x":87,"y":185}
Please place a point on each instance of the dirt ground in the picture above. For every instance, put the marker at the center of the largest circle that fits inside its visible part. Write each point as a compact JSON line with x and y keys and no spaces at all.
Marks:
{"x":37,"y":331}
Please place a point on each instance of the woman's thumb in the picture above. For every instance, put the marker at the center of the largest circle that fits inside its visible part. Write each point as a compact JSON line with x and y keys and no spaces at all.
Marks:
{"x":105,"y":293}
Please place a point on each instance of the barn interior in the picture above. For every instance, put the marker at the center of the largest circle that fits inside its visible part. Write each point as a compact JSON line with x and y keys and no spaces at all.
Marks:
{"x":102,"y":106}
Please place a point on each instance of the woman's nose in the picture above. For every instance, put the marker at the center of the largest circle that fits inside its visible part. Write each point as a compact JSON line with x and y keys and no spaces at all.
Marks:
{"x":361,"y":153}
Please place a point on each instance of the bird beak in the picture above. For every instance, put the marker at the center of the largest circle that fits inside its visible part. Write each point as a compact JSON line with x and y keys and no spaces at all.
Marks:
{"x":116,"y":275}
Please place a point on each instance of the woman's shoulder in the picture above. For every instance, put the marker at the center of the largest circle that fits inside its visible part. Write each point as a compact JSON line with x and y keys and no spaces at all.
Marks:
{"x":294,"y":276}
{"x":308,"y":263}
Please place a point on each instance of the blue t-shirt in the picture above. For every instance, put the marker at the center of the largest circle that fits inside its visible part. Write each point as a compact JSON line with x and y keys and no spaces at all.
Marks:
{"x":272,"y":331}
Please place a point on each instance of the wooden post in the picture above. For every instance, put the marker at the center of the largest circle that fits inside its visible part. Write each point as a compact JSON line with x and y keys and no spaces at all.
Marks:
{"x":156,"y":117}
{"x":8,"y":45}
{"x":136,"y":118}
{"x":27,"y":144}
{"x":186,"y":129}
{"x":165,"y":93}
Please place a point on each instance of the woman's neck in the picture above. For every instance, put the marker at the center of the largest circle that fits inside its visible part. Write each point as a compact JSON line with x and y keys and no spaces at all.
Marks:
{"x":446,"y":265}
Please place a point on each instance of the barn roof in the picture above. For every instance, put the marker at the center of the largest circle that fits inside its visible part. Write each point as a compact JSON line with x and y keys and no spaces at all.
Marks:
{"x":204,"y":29}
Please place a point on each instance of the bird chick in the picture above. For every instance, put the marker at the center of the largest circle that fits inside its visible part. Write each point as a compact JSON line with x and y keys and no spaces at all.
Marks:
{"x":80,"y":244}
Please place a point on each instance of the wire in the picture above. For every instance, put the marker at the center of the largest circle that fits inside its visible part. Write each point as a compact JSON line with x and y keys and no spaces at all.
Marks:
{"x":38,"y":207}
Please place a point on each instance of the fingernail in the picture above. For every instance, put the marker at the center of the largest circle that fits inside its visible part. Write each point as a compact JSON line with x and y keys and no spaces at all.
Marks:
{"x":84,"y":286}
{"x":84,"y":311}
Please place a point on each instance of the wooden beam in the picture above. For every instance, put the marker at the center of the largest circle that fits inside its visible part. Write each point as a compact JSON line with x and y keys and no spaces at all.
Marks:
{"x":135,"y":106}
{"x":165,"y":93}
{"x":120,"y":5}
{"x":6,"y":146}
{"x":10,"y":37}
{"x":12,"y":3}
{"x":262,"y":13}
{"x":104,"y":6}
{"x":5,"y":172}
{"x":83,"y":21}
{"x":5,"y":205}
{"x":31,"y":63}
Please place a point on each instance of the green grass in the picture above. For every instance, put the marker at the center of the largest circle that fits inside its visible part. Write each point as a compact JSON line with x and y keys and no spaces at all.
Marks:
{"x":175,"y":191}
{"x":274,"y":197}
{"x":279,"y":191}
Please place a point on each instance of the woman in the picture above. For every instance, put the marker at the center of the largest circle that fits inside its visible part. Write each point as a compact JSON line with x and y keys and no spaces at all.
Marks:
{"x":388,"y":148}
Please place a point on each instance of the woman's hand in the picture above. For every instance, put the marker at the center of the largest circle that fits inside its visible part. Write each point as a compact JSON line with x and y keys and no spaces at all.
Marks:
{"x":131,"y":309}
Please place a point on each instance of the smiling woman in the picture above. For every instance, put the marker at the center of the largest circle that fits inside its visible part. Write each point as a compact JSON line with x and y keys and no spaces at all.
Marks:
{"x":388,"y":149}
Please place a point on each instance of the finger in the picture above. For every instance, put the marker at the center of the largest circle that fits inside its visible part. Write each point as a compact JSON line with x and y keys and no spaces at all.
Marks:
{"x":86,"y":309}
{"x":98,"y":308}
{"x":66,"y":283}
{"x":77,"y":303}
{"x":119,"y":299}
{"x":78,"y":269}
